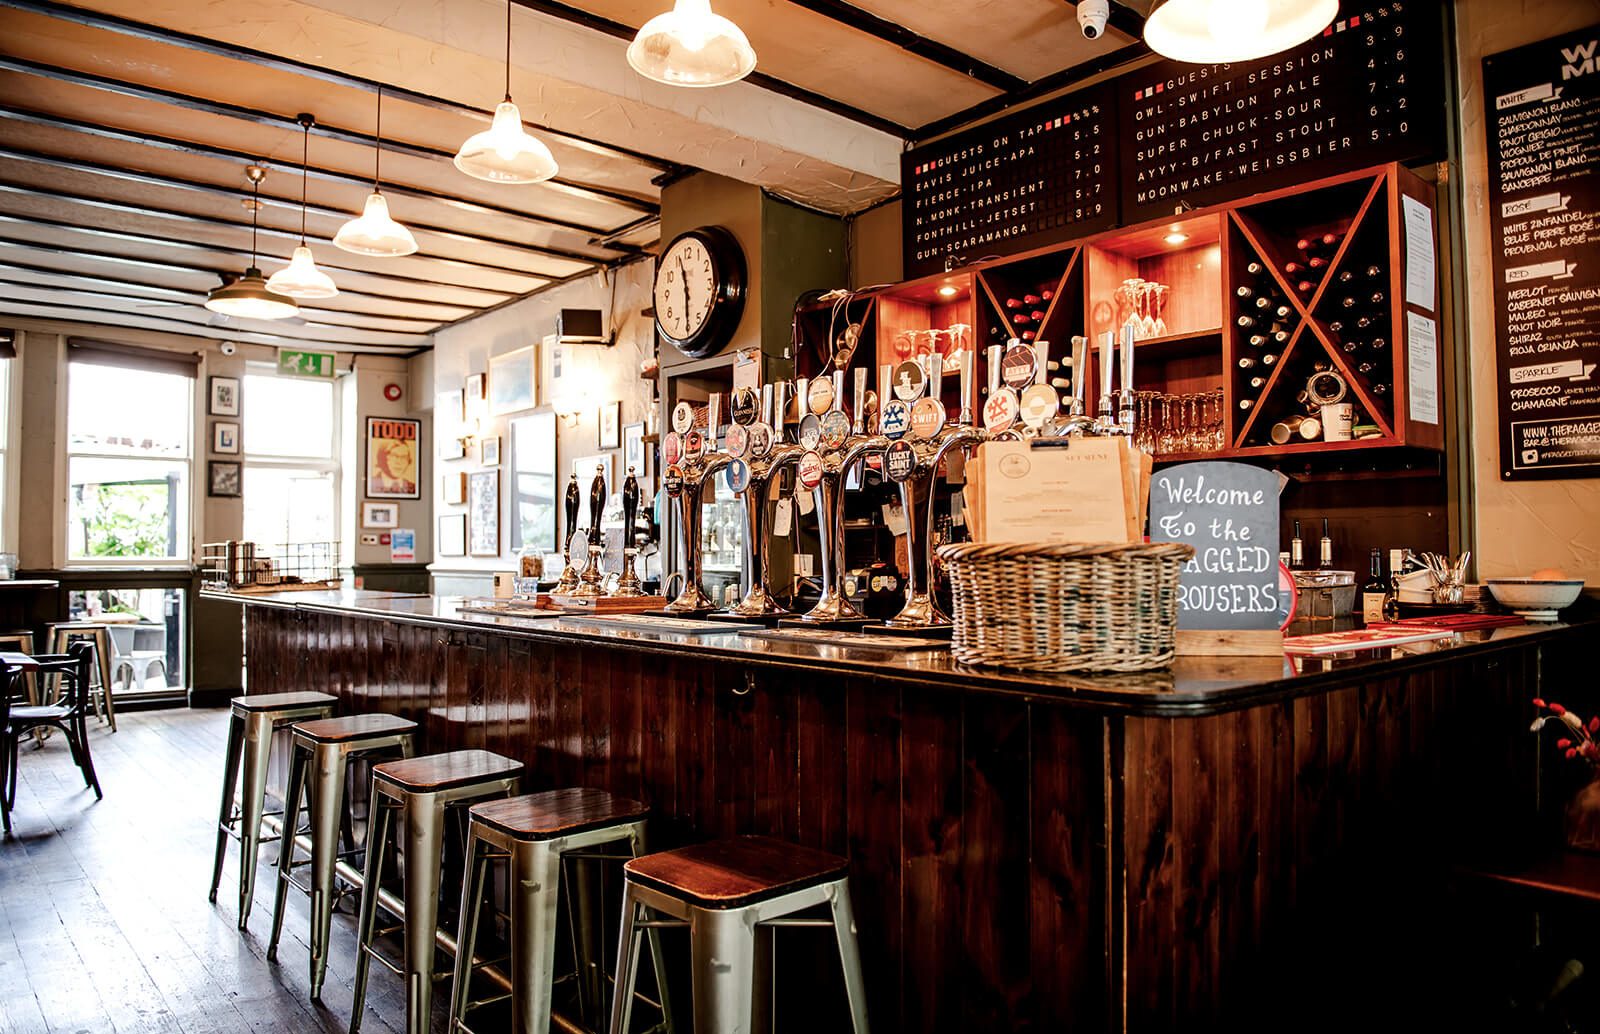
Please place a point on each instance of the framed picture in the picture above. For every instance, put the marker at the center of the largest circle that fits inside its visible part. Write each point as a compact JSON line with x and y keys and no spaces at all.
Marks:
{"x":585,"y":466}
{"x":449,"y":413}
{"x":633,"y":451}
{"x":455,"y":487}
{"x":380,"y":515}
{"x":531,"y":482}
{"x":392,"y":458}
{"x":225,"y":438}
{"x":483,"y":513}
{"x":453,"y":534}
{"x":224,"y":396}
{"x":489,"y":451}
{"x":611,"y":425}
{"x":223,"y":479}
{"x":514,"y":381}
{"x":476,"y":383}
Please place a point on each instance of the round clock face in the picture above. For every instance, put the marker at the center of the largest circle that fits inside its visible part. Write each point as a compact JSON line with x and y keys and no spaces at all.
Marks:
{"x":699,"y":290}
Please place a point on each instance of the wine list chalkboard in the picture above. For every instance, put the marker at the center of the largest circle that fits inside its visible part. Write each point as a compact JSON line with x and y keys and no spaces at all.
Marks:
{"x":1542,"y":104}
{"x":1229,"y":513}
{"x":1041,"y":176}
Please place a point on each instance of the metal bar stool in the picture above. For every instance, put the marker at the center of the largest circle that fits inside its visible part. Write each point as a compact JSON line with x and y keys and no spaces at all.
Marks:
{"x":727,"y":892}
{"x":326,"y":747}
{"x":250,"y":731}
{"x":21,"y":641}
{"x":535,"y":833}
{"x":422,"y":788}
{"x":64,"y":633}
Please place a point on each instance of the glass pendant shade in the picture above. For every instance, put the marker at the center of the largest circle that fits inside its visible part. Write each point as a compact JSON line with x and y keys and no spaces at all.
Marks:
{"x":1213,"y":31}
{"x":373,"y":232}
{"x":301,"y":278}
{"x":251,"y":298}
{"x":505,"y":152}
{"x":691,"y":46}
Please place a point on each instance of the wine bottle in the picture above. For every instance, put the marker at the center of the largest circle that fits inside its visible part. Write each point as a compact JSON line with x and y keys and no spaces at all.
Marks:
{"x":1379,"y":388}
{"x":1297,"y":549}
{"x":1030,"y":299}
{"x":1325,"y":548}
{"x":1280,"y":336}
{"x":1037,"y":315}
{"x":1019,"y":318}
{"x":1246,"y":321}
{"x":1246,"y":403}
{"x":1254,"y":268}
{"x":1336,"y":325}
{"x":1375,"y":590}
{"x":1028,"y":335}
{"x":1245,"y":362}
{"x":1374,"y":272}
{"x":1378,"y":344}
{"x":1292,"y":267}
{"x":1348,"y":302}
{"x":1351,"y":346}
{"x":1282,"y":312}
{"x":1263,"y":303}
{"x":1013,"y":303}
{"x":1305,"y":287}
{"x":1244,"y":291}
{"x":1269,"y":359}
{"x":1345,"y":276}
{"x":1316,"y":262}
{"x":1365,"y":368}
{"x":1366,"y":321}
{"x":1258,"y":382}
{"x":1321,"y":366}
{"x":1377,"y":297}
{"x":1046,"y":293}
{"x":1257,"y":340}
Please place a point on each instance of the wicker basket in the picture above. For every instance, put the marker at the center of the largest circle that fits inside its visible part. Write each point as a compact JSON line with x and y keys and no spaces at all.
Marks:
{"x":1034,"y":607}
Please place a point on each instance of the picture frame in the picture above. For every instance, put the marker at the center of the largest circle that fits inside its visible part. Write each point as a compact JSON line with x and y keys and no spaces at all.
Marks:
{"x":584,"y":466}
{"x":489,"y":451}
{"x":531,"y":482}
{"x":476,"y":387}
{"x":380,"y":515}
{"x":610,"y":425}
{"x":392,"y":462}
{"x":634,"y":453}
{"x":455,"y":488}
{"x":514,"y":381}
{"x":449,"y":414}
{"x":453,"y":534}
{"x":225,"y":438}
{"x":224,"y":479}
{"x":223,"y":397}
{"x":483,"y":513}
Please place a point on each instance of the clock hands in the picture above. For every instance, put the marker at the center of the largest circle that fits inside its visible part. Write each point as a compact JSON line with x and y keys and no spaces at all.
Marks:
{"x":683,"y":274}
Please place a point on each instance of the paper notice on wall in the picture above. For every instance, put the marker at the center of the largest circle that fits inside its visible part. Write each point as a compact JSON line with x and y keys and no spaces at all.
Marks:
{"x":1420,"y":269}
{"x":1422,"y":369}
{"x":782,"y":515}
{"x":402,"y":545}
{"x":747,"y":369}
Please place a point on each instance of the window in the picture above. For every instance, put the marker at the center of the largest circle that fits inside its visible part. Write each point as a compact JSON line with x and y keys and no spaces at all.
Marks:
{"x":6,"y":528}
{"x":291,"y":464}
{"x":128,"y":460}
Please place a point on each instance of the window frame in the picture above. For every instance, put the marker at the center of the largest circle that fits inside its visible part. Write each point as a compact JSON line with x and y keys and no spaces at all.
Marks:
{"x":10,"y":438}
{"x":249,"y":458}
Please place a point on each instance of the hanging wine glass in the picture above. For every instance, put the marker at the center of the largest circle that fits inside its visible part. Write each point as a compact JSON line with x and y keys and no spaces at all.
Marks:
{"x":904,"y":344}
{"x":1127,"y":299}
{"x":1158,"y":305}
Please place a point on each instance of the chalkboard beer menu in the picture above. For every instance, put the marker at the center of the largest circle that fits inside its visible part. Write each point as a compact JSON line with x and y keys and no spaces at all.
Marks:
{"x":1543,"y":103}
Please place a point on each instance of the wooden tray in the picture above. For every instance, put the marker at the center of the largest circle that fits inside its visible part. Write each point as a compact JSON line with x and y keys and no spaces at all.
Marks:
{"x":608,"y":604}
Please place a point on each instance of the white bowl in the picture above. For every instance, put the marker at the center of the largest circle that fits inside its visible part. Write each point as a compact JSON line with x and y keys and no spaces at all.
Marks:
{"x":1533,"y":599}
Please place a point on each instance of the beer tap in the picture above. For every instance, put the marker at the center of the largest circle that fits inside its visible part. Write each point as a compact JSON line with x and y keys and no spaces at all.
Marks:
{"x":760,"y":450}
{"x":1106,"y":420}
{"x":629,"y":584}
{"x":1078,"y":421}
{"x":684,"y":482}
{"x":1127,"y":401}
{"x":589,"y":580}
{"x":568,"y":582}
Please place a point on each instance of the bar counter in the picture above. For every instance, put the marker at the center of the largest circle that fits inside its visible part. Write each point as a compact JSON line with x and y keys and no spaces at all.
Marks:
{"x":1216,"y":843}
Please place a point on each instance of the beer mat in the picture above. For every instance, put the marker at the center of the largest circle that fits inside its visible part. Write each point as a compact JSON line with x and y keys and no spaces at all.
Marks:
{"x":936,"y":632}
{"x":652,"y":623}
{"x":835,"y":637}
{"x":765,"y":620}
{"x":608,"y":604}
{"x":1454,"y":622}
{"x":1363,"y":639}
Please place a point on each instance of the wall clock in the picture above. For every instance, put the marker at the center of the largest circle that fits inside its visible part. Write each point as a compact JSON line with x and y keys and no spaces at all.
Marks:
{"x":699,"y":290}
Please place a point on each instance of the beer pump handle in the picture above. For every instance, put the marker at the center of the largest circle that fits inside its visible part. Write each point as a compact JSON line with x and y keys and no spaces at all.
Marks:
{"x":630,"y":507}
{"x":569,"y":506}
{"x":885,"y":389}
{"x":995,"y":352}
{"x":802,"y":397}
{"x":1107,"y":358}
{"x":713,"y":419}
{"x":934,"y":365}
{"x":964,"y":357}
{"x":1127,"y":401}
{"x":858,"y":408}
{"x":780,"y":408}
{"x":838,"y":390}
{"x":766,"y":404}
{"x":1041,"y":361}
{"x":1127,"y":359}
{"x":1080,"y":375}
{"x":597,"y":503}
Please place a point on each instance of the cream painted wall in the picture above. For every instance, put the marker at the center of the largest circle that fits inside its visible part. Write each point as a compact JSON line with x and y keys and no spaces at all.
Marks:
{"x":1521,"y":525}
{"x":361,"y":396}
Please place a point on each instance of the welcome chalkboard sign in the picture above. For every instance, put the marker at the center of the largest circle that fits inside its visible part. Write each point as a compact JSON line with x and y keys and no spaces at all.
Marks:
{"x":1229,"y":513}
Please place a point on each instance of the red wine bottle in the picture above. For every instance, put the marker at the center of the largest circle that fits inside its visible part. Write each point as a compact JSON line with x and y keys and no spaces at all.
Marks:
{"x":1030,"y":299}
{"x":1013,"y":303}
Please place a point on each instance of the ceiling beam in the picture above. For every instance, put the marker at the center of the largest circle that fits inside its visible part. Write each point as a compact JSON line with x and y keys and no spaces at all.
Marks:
{"x":200,"y":44}
{"x":572,"y":188}
{"x":154,"y":179}
{"x":866,"y":22}
{"x":98,"y":317}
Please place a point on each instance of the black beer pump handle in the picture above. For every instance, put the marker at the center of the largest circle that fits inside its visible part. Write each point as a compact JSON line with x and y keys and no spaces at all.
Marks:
{"x":597,"y":503}
{"x":569,"y":506}
{"x":630,"y":507}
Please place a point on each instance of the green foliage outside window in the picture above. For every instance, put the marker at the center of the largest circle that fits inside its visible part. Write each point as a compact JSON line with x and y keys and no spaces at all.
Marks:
{"x":123,"y":519}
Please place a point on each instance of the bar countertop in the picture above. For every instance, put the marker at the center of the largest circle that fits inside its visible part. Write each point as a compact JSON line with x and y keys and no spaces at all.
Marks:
{"x":1192,"y":686}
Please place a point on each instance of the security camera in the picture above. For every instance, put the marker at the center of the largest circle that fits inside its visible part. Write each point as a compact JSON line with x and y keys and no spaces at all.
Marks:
{"x":1092,"y":15}
{"x":228,"y":348}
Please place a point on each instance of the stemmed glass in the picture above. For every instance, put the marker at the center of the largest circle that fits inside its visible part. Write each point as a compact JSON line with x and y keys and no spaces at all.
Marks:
{"x":905,"y":343}
{"x":1158,"y":305}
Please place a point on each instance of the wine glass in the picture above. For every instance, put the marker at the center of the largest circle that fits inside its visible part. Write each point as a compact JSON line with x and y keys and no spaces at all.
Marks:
{"x":905,"y":344}
{"x":1158,"y":305}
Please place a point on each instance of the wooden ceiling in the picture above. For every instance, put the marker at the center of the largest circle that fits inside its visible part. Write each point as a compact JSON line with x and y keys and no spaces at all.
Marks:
{"x":123,"y":142}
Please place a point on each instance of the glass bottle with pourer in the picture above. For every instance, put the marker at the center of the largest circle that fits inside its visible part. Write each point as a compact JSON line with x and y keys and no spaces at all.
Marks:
{"x":754,"y":441}
{"x":690,"y":458}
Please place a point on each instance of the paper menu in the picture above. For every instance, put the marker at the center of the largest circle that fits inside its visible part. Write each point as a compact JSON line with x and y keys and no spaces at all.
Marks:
{"x":1080,"y":491}
{"x":1420,"y":266}
{"x":1422,"y":369}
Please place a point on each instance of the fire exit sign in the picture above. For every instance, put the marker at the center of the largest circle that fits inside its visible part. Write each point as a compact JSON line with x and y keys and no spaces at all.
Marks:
{"x":306,"y":364}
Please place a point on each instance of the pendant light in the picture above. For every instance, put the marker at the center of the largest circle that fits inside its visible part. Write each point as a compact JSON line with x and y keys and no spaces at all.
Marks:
{"x":691,"y":46}
{"x":373,"y":232}
{"x":505,"y":153}
{"x":249,"y":296}
{"x":301,"y":278}
{"x":1214,"y":31}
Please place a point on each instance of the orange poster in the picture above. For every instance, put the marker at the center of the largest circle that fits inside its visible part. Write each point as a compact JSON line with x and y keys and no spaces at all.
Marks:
{"x":392,"y":450}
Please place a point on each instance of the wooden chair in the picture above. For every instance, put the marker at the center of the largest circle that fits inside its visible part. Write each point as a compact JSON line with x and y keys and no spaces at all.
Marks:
{"x":67,"y":714}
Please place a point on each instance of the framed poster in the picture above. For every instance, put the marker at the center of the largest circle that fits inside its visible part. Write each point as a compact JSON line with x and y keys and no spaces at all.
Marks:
{"x":453,"y":534}
{"x":532,"y":482}
{"x":455,"y":487}
{"x":224,"y":396}
{"x":483,"y":513}
{"x":633,"y":451}
{"x":476,"y":384}
{"x":223,"y":479}
{"x":611,"y":425}
{"x":225,"y":438}
{"x":514,"y":381}
{"x":380,"y":515}
{"x":392,"y":458}
{"x":585,"y":466}
{"x":489,"y":451}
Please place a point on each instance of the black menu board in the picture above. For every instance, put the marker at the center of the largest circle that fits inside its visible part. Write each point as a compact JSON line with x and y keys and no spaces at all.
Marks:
{"x":1043,"y":175}
{"x":1229,"y":513}
{"x":1542,"y":106}
{"x":1368,"y":90}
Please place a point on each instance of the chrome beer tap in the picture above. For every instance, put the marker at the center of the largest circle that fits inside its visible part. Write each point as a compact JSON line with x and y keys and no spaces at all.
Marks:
{"x":762,"y":452}
{"x":589,"y":581}
{"x":1078,"y":421}
{"x":629,"y":584}
{"x":568,"y":581}
{"x":684,"y":482}
{"x":823,"y":469}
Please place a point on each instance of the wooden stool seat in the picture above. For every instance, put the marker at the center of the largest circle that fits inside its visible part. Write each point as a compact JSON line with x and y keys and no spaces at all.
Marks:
{"x":446,"y":771}
{"x":353,"y":727}
{"x":557,"y":813}
{"x":735,"y":872}
{"x":280,"y":702}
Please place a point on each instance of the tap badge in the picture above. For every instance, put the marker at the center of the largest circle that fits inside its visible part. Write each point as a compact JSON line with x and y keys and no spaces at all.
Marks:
{"x":1000,"y":411}
{"x":835,"y":428}
{"x":1018,"y":366}
{"x":899,"y":460}
{"x":1039,"y":405}
{"x":738,"y":476}
{"x":682,"y":417}
{"x":895,"y":419}
{"x":810,"y":470}
{"x":672,"y":481}
{"x":810,"y":431}
{"x":760,"y":440}
{"x":694,"y":444}
{"x":909,"y":380}
{"x":742,"y":407}
{"x":671,"y":448}
{"x":927,"y":418}
{"x":736,"y":440}
{"x":819,"y":396}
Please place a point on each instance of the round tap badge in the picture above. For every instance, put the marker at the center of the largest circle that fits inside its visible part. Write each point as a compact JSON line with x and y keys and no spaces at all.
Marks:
{"x":736,"y":440}
{"x":899,"y":460}
{"x":819,"y":396}
{"x":927,"y":418}
{"x":672,"y":481}
{"x":1039,"y":405}
{"x":671,"y":448}
{"x":1000,"y":411}
{"x":694,"y":443}
{"x":809,"y":470}
{"x":738,"y":476}
{"x":895,"y":420}
{"x":909,"y":380}
{"x":835,"y":428}
{"x":1017,"y":367}
{"x":760,"y":440}
{"x":682,"y":417}
{"x":742,"y":407}
{"x":810,"y":431}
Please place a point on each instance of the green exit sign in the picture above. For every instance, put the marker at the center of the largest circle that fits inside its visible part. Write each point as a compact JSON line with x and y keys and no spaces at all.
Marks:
{"x":306,"y":364}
